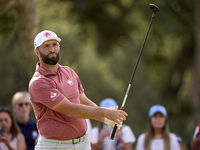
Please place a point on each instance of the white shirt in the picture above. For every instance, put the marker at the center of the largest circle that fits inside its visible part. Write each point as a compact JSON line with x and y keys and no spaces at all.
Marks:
{"x":158,"y":144}
{"x":89,"y":125}
{"x":108,"y":144}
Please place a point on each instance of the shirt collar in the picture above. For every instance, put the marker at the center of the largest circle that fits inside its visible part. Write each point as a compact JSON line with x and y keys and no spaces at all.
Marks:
{"x":44,"y":72}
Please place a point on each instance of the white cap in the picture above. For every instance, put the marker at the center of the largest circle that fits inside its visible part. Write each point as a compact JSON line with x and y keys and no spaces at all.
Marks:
{"x":45,"y":36}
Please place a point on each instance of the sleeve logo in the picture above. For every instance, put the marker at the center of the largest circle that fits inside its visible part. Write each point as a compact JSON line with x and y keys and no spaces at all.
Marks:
{"x":53,"y":96}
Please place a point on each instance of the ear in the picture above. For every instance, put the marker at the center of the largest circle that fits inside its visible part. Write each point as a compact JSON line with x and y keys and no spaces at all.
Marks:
{"x":36,"y":51}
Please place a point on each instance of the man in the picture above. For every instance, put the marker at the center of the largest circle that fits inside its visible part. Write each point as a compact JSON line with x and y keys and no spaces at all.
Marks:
{"x":195,"y":144}
{"x":100,"y":136}
{"x":59,"y":101}
{"x":21,"y":107}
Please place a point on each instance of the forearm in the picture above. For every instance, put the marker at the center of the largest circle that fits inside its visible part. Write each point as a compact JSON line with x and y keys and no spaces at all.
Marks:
{"x":87,"y":112}
{"x":88,"y":102}
{"x":79,"y":110}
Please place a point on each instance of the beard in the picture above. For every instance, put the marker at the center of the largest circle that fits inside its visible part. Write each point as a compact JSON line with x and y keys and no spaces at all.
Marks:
{"x":51,"y":61}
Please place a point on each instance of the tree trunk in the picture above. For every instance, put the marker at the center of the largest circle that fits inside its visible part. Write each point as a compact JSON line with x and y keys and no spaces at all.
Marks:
{"x":26,"y":28}
{"x":195,"y":95}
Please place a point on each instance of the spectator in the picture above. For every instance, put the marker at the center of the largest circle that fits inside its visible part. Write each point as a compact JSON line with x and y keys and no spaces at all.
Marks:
{"x":100,"y":136}
{"x":10,"y":138}
{"x":21,"y":106}
{"x":157,"y":136}
{"x":195,"y":143}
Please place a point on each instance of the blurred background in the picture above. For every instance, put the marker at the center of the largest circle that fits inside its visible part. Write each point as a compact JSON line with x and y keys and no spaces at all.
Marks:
{"x":101,"y":40}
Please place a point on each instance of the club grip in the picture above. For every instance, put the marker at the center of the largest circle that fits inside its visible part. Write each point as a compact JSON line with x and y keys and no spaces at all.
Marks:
{"x":115,"y":127}
{"x":113,"y":132}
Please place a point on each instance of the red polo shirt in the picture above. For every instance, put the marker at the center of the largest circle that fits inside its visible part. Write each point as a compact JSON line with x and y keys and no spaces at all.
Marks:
{"x":48,"y":89}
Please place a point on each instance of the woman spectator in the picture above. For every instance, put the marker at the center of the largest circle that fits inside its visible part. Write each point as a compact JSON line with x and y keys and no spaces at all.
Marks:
{"x":10,"y":137}
{"x":157,"y":136}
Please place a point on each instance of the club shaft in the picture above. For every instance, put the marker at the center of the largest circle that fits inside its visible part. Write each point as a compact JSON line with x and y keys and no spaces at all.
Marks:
{"x":130,"y":82}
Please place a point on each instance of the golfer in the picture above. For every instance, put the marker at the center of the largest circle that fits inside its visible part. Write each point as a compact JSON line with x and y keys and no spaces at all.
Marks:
{"x":59,"y":102}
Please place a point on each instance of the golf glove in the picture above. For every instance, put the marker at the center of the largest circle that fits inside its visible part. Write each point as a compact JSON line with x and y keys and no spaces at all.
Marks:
{"x":112,"y":123}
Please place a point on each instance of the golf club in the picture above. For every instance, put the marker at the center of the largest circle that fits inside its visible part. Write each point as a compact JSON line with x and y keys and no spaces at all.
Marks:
{"x":154,"y":8}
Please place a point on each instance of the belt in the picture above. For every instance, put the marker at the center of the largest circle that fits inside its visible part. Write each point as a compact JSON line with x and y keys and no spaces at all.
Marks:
{"x":72,"y":141}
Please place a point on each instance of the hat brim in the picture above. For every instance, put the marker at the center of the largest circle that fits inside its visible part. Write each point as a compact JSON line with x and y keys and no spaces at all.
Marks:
{"x":48,"y":39}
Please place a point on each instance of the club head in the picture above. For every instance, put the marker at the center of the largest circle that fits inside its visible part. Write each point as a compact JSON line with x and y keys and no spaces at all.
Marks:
{"x":154,"y":8}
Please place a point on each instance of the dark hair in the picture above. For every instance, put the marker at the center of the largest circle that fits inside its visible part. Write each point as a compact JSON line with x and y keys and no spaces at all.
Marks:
{"x":14,"y":127}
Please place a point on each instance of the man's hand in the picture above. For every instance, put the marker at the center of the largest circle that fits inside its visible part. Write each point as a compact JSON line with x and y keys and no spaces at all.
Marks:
{"x":114,"y":116}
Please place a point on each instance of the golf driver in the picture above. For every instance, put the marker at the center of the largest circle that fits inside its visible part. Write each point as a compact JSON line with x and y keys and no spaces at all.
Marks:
{"x":154,"y":8}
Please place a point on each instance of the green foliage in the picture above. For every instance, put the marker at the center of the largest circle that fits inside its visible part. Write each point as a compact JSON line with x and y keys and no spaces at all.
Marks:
{"x":101,"y":41}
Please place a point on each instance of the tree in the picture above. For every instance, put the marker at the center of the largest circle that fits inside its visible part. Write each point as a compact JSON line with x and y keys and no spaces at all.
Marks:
{"x":195,"y":95}
{"x":19,"y":25}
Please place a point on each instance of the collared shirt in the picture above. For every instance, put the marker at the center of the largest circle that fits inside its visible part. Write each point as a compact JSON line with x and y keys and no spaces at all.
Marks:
{"x":30,"y":132}
{"x":48,"y":89}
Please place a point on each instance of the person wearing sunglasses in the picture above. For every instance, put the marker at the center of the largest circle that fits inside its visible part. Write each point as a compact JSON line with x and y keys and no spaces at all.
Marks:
{"x":22,"y":107}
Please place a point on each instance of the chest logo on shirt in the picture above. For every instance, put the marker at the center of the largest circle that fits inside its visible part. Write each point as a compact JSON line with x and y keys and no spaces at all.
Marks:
{"x":70,"y":82}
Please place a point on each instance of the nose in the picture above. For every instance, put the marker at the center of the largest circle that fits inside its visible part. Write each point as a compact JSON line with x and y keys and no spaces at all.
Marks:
{"x":52,"y":48}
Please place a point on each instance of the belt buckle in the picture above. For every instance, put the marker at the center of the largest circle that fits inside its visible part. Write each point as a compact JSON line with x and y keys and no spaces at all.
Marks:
{"x":76,"y":140}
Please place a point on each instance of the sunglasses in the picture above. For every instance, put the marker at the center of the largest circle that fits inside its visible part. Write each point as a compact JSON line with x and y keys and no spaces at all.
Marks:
{"x":21,"y":104}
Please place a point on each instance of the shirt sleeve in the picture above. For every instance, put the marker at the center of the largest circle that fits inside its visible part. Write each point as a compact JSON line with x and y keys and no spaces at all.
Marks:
{"x":128,"y":135}
{"x":140,"y":142}
{"x":45,"y":92}
{"x":174,"y":145}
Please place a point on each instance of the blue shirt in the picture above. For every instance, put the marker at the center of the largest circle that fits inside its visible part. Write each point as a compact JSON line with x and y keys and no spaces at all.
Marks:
{"x":30,"y":133}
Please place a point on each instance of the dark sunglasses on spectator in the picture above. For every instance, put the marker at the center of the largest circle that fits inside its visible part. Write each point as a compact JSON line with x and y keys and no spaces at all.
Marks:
{"x":21,"y":104}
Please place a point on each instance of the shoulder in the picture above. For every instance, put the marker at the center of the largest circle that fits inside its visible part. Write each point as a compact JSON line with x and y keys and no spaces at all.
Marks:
{"x":140,"y":142}
{"x":172,"y":136}
{"x":65,"y":68}
{"x":40,"y":82}
{"x":127,"y":134}
{"x":20,"y":136}
{"x":141,"y":137}
{"x":126,"y":128}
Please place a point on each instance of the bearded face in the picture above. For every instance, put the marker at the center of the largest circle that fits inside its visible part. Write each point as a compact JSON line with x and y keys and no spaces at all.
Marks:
{"x":50,"y":60}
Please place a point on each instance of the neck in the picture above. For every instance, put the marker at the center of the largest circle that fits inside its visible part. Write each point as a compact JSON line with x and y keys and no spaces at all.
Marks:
{"x":50,"y":68}
{"x":158,"y":134}
{"x":23,"y":120}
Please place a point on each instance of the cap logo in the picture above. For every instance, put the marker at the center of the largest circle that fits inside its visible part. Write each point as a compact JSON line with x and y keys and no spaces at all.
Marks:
{"x":47,"y":34}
